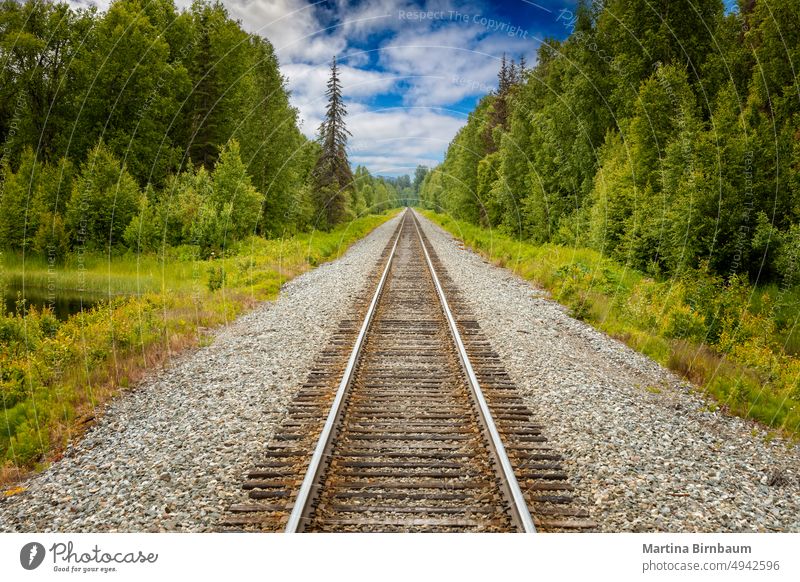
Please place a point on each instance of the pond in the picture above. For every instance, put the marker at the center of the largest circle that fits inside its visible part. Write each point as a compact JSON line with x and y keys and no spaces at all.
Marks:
{"x":63,"y":302}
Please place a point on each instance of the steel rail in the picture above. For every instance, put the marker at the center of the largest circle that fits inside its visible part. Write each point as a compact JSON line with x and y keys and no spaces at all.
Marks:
{"x":519,"y":506}
{"x":295,"y":524}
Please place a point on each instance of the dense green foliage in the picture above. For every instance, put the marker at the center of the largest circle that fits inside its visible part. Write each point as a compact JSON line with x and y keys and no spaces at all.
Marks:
{"x":660,"y":140}
{"x":146,"y":127}
{"x":663,"y":134}
{"x":163,"y":89}
{"x":374,"y":193}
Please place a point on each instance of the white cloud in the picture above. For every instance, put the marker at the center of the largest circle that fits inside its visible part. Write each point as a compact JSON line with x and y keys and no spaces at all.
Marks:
{"x":293,"y":27}
{"x":308,"y":85}
{"x":101,"y":5}
{"x":395,"y":141}
{"x":452,"y":62}
{"x":356,"y":83}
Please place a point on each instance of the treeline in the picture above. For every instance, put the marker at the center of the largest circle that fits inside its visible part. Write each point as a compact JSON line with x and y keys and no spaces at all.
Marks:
{"x":407,"y":189}
{"x":146,"y":126}
{"x":374,"y":193}
{"x":662,"y":133}
{"x":52,"y":209}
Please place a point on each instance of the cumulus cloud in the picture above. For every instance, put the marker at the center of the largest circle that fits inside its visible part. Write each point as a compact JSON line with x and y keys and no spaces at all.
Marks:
{"x":297,"y":29}
{"x":396,"y":140}
{"x":308,"y":84}
{"x":453,"y":61}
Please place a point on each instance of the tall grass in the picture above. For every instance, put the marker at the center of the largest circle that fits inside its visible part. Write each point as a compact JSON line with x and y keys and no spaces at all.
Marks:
{"x":95,"y":273}
{"x":737,"y":342}
{"x":55,"y":374}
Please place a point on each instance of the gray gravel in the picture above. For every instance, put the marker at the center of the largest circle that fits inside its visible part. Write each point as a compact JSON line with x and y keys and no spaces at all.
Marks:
{"x":643,"y":451}
{"x":171,"y":455}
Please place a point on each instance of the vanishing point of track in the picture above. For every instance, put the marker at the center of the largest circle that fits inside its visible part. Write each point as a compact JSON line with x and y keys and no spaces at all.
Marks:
{"x":408,"y":423}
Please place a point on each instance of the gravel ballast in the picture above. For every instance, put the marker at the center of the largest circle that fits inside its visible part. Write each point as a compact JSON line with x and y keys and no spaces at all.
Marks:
{"x":642,"y":448}
{"x":171,"y":454}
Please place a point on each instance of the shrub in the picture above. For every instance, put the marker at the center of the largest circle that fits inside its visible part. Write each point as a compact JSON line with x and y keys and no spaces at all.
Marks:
{"x":216,"y":277}
{"x":684,"y":323}
{"x":51,"y":238}
{"x":147,"y":229}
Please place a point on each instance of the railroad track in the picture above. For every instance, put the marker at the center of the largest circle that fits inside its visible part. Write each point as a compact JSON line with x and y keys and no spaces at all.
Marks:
{"x":408,"y":423}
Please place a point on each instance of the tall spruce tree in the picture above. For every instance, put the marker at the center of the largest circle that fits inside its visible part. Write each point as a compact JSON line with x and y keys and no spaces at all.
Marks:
{"x":332,"y":174}
{"x":509,"y":76}
{"x":207,"y":130}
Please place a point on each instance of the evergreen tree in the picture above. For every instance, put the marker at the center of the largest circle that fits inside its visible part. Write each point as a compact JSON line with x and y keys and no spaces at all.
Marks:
{"x":419,"y":177}
{"x":332,"y":174}
{"x":103,"y":202}
{"x":506,"y":79}
{"x":208,"y":126}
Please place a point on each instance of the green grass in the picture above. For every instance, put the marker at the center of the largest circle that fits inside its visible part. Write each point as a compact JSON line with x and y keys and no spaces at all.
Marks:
{"x":256,"y":265}
{"x":736,"y":342}
{"x":55,"y":374}
{"x":97,"y":274}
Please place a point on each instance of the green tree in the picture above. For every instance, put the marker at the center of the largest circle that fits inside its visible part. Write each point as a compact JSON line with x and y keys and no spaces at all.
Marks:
{"x":135,"y":92}
{"x":217,"y":69}
{"x":419,"y":177}
{"x":51,"y":238}
{"x":42,"y":46}
{"x":16,"y":200}
{"x":34,"y":194}
{"x":104,"y":200}
{"x":148,"y":230}
{"x":332,"y":174}
{"x":278,"y":157}
{"x":234,"y":196}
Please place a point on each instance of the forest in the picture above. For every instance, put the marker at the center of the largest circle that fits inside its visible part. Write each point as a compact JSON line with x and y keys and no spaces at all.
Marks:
{"x":649,"y":168}
{"x":665,"y":154}
{"x":147,"y":127}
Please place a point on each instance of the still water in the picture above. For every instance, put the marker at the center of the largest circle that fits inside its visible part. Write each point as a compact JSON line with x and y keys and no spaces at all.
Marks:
{"x":63,"y":303}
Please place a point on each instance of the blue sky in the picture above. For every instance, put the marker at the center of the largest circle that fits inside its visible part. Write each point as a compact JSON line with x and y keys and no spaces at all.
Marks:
{"x":411,"y":70}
